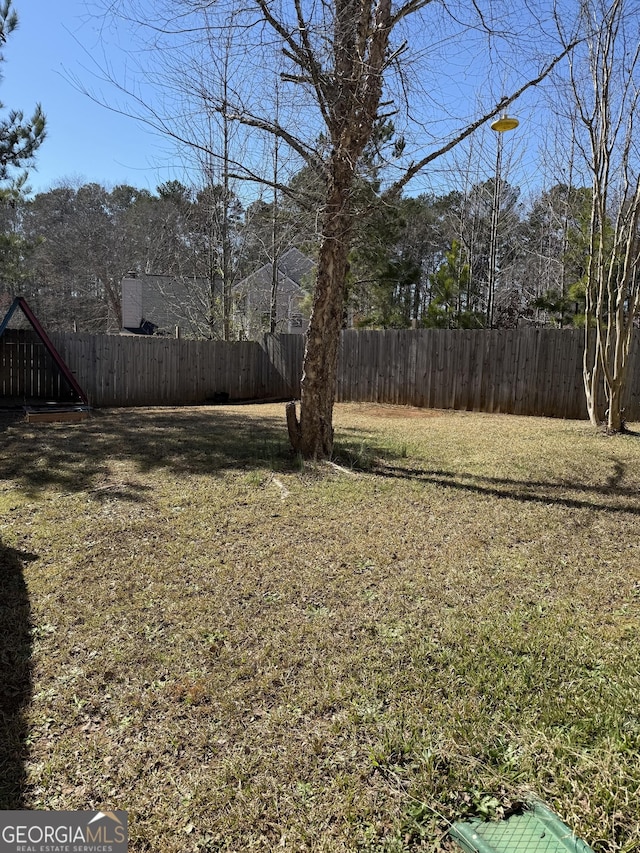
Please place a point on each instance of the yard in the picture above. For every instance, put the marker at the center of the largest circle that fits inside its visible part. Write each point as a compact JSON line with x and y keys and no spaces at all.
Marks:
{"x":250,"y":654}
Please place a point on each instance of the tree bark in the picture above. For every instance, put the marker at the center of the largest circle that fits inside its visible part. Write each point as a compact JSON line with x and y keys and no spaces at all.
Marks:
{"x":592,"y":376}
{"x":312,"y":435}
{"x":615,"y":419}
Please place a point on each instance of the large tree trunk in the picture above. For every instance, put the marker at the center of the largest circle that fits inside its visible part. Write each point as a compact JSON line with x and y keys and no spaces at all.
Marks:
{"x":312,"y":434}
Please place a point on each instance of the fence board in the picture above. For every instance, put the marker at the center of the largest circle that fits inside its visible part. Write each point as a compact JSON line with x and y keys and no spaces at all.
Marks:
{"x":432,"y":369}
{"x":520,"y":371}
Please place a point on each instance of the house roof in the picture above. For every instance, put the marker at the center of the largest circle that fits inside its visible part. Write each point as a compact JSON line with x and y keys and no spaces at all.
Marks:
{"x":292,"y":266}
{"x":295,"y":265}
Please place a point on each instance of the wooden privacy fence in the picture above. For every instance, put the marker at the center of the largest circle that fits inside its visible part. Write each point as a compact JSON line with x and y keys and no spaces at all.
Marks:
{"x":522,"y":371}
{"x":27,"y":370}
{"x":148,"y":371}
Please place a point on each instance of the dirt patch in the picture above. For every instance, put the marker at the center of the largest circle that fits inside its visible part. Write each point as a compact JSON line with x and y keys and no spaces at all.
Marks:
{"x":380,"y":410}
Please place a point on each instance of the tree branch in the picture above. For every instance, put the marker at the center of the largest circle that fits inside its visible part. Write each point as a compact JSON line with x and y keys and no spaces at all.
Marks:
{"x":413,"y":170}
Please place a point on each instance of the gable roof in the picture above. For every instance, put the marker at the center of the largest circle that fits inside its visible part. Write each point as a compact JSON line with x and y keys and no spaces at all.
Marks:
{"x":292,"y":267}
{"x":295,"y":265}
{"x":21,"y":302}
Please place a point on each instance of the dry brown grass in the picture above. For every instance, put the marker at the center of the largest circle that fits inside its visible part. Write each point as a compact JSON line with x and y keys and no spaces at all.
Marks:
{"x":247,"y":653}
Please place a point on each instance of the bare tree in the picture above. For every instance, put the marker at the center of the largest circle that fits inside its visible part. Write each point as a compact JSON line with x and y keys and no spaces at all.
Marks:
{"x":202,"y":96}
{"x":348,"y":65}
{"x":605,"y":86}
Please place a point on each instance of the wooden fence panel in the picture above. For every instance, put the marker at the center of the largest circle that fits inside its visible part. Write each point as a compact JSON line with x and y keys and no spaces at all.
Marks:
{"x":423,"y":371}
{"x":431,"y":341}
{"x":473,"y":376}
{"x":632,"y":398}
{"x":370,"y":359}
{"x":509,"y":374}
{"x":543,"y":374}
{"x":525,"y":371}
{"x":366,"y":365}
{"x":27,"y":370}
{"x":521,"y":372}
{"x":411,"y":368}
{"x":448,"y":379}
{"x":464,"y":373}
{"x":484,"y":400}
{"x":386,"y":365}
{"x":438,"y":377}
{"x":345,"y":388}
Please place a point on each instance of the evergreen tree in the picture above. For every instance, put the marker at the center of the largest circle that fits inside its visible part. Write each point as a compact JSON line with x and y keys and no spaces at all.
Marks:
{"x":19,"y":138}
{"x":450,"y":307}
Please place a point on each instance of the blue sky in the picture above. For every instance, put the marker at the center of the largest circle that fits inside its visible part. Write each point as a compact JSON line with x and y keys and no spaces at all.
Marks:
{"x":57,"y":40}
{"x":84,"y":140}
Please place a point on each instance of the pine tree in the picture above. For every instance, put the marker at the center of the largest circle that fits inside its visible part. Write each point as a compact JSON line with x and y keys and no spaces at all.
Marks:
{"x":19,"y":138}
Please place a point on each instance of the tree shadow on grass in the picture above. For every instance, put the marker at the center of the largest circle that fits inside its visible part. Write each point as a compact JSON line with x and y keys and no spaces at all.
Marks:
{"x":15,"y":674}
{"x":213,"y":440}
{"x":563,"y":493}
{"x":81,"y":456}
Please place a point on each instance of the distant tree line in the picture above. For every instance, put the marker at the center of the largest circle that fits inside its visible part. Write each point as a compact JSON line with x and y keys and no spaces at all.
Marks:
{"x":423,"y":261}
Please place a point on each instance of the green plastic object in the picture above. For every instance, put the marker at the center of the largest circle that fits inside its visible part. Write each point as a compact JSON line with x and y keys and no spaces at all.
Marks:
{"x":535,"y":830}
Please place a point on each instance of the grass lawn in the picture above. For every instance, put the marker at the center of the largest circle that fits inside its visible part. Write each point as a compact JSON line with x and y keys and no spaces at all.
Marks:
{"x":249,"y":654}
